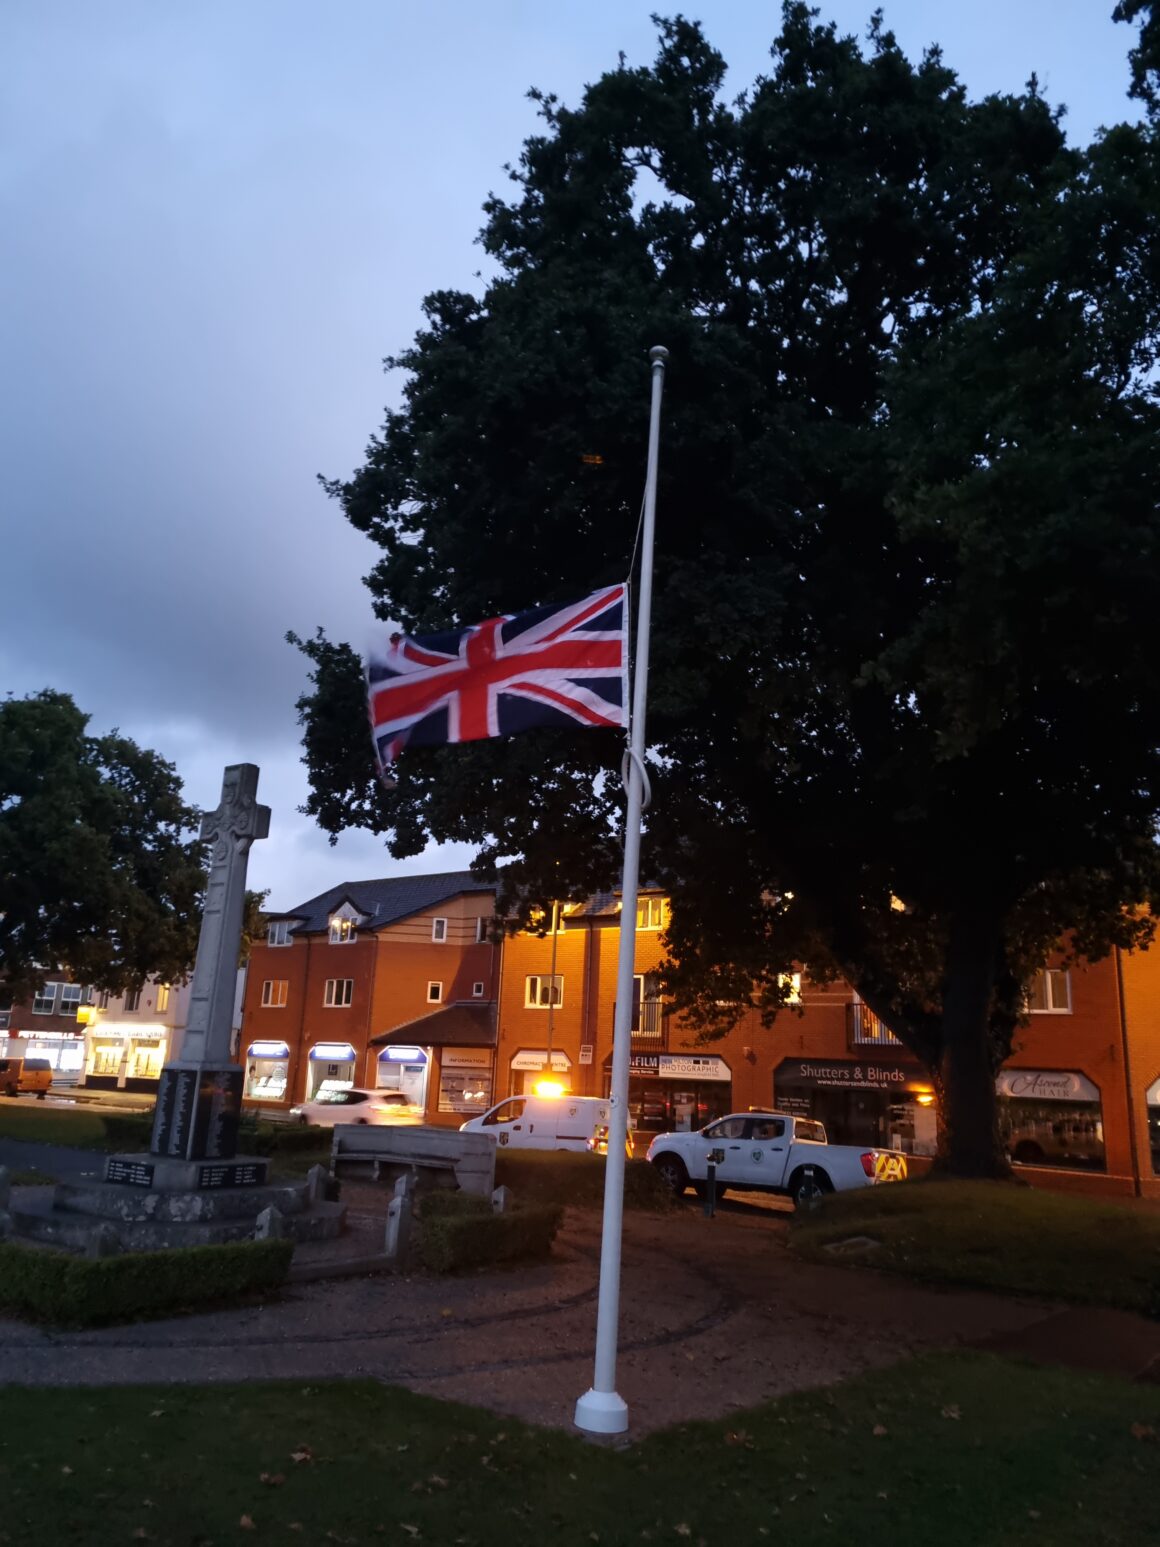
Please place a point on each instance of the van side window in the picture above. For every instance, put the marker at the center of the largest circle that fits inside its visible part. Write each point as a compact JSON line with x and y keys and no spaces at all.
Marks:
{"x":506,"y":1113}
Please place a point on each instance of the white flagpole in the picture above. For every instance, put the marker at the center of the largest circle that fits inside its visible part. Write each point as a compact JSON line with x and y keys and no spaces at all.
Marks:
{"x":601,"y":1410}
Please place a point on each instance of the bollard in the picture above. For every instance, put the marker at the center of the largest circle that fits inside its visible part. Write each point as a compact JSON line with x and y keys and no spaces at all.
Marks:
{"x":715,"y":1156}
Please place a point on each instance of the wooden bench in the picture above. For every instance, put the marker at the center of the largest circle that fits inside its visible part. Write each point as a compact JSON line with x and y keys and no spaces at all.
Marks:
{"x":436,"y":1157}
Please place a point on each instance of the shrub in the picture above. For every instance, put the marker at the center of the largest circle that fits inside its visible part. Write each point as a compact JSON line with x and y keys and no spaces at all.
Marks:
{"x":128,"y":1130}
{"x":83,"y":1292}
{"x":576,"y":1180}
{"x":447,"y":1200}
{"x":452,"y":1239}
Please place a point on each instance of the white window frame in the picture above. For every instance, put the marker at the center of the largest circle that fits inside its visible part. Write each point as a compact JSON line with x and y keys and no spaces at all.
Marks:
{"x":1050,"y":975}
{"x":162,"y":998}
{"x":274,"y":992}
{"x":481,"y":931}
{"x":44,"y":1000}
{"x":72,"y":996}
{"x":437,"y":996}
{"x":338,"y":994}
{"x":103,"y":999}
{"x":653,"y":909}
{"x":478,"y":990}
{"x":439,"y":931}
{"x":132,"y":1001}
{"x":5,"y":1020}
{"x":533,"y":995}
{"x":278,"y":933}
{"x":343,"y":931}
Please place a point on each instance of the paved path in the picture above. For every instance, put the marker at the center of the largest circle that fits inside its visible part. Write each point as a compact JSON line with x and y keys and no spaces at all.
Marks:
{"x":58,"y":1160}
{"x":716,"y":1316}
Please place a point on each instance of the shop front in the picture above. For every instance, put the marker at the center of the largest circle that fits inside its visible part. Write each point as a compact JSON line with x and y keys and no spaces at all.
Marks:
{"x":674,"y":1092}
{"x":881,"y":1104}
{"x":329,"y":1067}
{"x":403,"y":1068}
{"x":64,"y":1050}
{"x":267,"y":1071}
{"x":1152,"y":1100}
{"x":532,"y":1067}
{"x":146,"y":1057}
{"x":1051,"y":1117}
{"x":106,"y":1054}
{"x":466,"y":1080}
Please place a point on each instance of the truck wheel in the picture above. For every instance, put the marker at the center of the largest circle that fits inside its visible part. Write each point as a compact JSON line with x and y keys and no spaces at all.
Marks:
{"x":10,"y":1090}
{"x":808,"y":1191}
{"x":672,"y":1170}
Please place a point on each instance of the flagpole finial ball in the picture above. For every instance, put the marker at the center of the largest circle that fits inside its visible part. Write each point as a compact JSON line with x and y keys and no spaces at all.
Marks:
{"x":658,"y":354}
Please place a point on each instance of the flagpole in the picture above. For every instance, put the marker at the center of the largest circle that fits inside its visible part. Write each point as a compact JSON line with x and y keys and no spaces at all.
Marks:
{"x":601,"y":1410}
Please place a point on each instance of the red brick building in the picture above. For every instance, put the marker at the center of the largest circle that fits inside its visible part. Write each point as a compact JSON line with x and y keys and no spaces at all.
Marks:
{"x":1079,"y":1097}
{"x":389,"y":983}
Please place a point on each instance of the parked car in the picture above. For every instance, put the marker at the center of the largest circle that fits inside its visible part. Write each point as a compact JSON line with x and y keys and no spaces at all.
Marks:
{"x":25,"y":1076}
{"x":771,"y":1152}
{"x":542,"y":1122}
{"x":351,"y":1105}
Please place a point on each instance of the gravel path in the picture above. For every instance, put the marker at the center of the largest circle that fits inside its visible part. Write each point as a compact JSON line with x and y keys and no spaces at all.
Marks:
{"x":715,"y":1315}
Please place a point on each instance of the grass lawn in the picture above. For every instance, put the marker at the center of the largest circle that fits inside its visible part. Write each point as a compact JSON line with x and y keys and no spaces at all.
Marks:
{"x":965,"y":1450}
{"x":993,"y":1235}
{"x":39,"y":1124}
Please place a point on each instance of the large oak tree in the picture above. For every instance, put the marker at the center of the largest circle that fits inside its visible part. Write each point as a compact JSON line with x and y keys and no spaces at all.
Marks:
{"x":904,"y":708}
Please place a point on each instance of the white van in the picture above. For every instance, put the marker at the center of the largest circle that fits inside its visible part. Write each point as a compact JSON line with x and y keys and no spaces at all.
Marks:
{"x":542,"y":1122}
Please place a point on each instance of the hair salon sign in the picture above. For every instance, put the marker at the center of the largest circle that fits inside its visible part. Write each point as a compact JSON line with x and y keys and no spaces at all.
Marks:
{"x":1045,"y":1085}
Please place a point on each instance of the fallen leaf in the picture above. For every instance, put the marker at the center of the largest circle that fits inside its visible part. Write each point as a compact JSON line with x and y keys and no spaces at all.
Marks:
{"x":952,"y":1411}
{"x":1143,"y":1431}
{"x":272,"y":1479}
{"x":411,"y":1530}
{"x":1033,"y":1513}
{"x":883,"y":1495}
{"x":158,"y":1412}
{"x":141,"y":1535}
{"x":295,"y":1525}
{"x":438,"y":1482}
{"x":247,"y":1523}
{"x":879,"y":1430}
{"x":683,"y":1529}
{"x":447,"y":1311}
{"x":67,"y":1471}
{"x":303,"y":1453}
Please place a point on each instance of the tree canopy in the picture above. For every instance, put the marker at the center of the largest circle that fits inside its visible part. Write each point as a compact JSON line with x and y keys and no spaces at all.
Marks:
{"x":99,"y":873}
{"x":904,"y":716}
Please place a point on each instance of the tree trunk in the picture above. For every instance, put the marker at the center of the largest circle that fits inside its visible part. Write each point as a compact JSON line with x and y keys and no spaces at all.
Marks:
{"x":968,"y":1144}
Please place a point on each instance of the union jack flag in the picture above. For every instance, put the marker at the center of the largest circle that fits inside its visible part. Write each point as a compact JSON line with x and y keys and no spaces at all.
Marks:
{"x":551,"y":666}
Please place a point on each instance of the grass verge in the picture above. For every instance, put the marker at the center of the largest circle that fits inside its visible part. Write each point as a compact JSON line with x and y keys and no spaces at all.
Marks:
{"x":992,"y":1235}
{"x":576,"y":1180}
{"x":36,"y":1124}
{"x":966,"y":1450}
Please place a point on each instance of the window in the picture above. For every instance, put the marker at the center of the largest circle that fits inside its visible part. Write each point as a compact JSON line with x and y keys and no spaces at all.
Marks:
{"x":477,"y":990}
{"x":434,"y":993}
{"x":540,"y":992}
{"x":342,"y":932}
{"x":650,"y":912}
{"x":103,"y":999}
{"x":507,"y":1113}
{"x":132,"y":1000}
{"x":730,"y":1128}
{"x":45,"y":1001}
{"x":339,"y":992}
{"x":71,"y":998}
{"x":162,"y":998}
{"x":279,"y":933}
{"x":790,"y":984}
{"x":766,"y":1128}
{"x":5,"y":1019}
{"x":1050,"y":993}
{"x":274,"y":993}
{"x":439,"y":930}
{"x":481,"y":931}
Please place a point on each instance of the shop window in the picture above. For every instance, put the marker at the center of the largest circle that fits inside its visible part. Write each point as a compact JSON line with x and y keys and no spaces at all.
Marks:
{"x":465,"y":1083}
{"x":338,"y":993}
{"x":162,"y":998}
{"x":44,"y":1002}
{"x":650,"y":912}
{"x":274,"y":991}
{"x":1152,"y":1100}
{"x":132,"y":1000}
{"x":540,"y":992}
{"x":267,"y":1071}
{"x":1049,"y":993}
{"x":342,"y":932}
{"x":1051,"y":1117}
{"x":439,"y":930}
{"x":146,"y":1060}
{"x":106,"y":1059}
{"x":434,"y":993}
{"x":279,"y":933}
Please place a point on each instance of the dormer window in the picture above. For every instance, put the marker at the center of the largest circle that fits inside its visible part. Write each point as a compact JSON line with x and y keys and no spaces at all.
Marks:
{"x":343,"y":927}
{"x":278,"y":933}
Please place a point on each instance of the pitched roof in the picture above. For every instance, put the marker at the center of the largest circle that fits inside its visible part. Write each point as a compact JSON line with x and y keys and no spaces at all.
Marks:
{"x":466,"y":1023}
{"x":383,"y":901}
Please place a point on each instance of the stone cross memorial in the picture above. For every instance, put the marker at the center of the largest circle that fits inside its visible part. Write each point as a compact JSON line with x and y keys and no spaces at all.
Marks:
{"x":199,"y":1099}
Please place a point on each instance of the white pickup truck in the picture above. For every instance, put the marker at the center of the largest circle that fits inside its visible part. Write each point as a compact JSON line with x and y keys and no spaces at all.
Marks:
{"x":771,"y":1152}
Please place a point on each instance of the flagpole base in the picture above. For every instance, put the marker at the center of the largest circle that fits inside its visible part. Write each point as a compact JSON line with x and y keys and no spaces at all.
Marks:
{"x":601,"y":1412}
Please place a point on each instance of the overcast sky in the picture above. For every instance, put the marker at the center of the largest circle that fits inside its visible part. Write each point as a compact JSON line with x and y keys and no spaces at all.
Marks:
{"x":216,"y":218}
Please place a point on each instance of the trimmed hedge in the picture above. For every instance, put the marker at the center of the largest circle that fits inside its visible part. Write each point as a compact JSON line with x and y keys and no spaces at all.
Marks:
{"x":448,"y":1200}
{"x":576,"y":1180}
{"x":455,"y":1238}
{"x":128,"y":1130}
{"x":134,"y":1130}
{"x":70,"y":1291}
